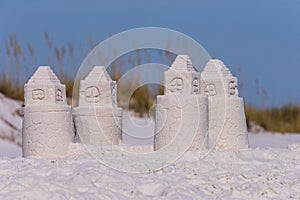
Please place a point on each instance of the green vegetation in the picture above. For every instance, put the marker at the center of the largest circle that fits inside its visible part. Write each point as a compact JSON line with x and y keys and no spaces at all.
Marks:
{"x":141,"y":100}
{"x":284,"y":119}
{"x":8,"y":88}
{"x":17,"y":67}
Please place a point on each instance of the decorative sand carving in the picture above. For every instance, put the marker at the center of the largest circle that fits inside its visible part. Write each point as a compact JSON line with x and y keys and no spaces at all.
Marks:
{"x":181,"y":113}
{"x":47,"y":123}
{"x":98,"y":120}
{"x":195,"y":112}
{"x":227,"y":122}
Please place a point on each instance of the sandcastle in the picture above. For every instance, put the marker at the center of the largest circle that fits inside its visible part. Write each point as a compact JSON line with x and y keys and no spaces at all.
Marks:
{"x":197,"y":111}
{"x":47,"y":124}
{"x":181,"y":113}
{"x":97,"y":118}
{"x":227,"y":122}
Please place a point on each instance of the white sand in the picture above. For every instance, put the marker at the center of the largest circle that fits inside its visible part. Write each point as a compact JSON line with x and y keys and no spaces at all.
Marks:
{"x":275,"y":140}
{"x":9,"y":149}
{"x":258,"y":173}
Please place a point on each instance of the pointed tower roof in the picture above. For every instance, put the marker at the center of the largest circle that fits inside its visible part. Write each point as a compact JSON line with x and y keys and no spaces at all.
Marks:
{"x":97,"y":88}
{"x":97,"y":74}
{"x":181,"y":77}
{"x":219,"y":80}
{"x":44,"y":88}
{"x":44,"y":75}
{"x":216,"y":65}
{"x":182,"y":62}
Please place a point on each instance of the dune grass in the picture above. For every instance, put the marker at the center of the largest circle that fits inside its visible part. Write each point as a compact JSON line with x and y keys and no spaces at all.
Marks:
{"x":278,"y":119}
{"x":18,"y":61}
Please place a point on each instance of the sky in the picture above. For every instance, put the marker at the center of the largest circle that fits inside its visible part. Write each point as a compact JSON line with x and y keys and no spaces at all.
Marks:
{"x":258,"y":40}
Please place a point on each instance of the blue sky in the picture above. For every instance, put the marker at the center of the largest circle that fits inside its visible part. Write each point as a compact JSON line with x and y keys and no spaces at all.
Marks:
{"x":261,"y":37}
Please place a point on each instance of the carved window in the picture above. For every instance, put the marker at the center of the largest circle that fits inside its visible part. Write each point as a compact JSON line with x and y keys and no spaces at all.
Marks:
{"x":232,"y":87}
{"x":195,"y":85}
{"x":113,"y":94}
{"x":92,"y":94}
{"x":176,"y":84}
{"x":210,"y":90}
{"x":59,"y":96}
{"x":38,"y":94}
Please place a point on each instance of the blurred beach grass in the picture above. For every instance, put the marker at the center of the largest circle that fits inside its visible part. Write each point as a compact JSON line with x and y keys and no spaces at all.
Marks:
{"x":18,"y":61}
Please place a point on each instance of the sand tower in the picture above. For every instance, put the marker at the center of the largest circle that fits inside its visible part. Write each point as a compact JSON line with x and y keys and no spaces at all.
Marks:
{"x":47,"y":124}
{"x":98,"y":120}
{"x":227,"y":122}
{"x":181,"y":113}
